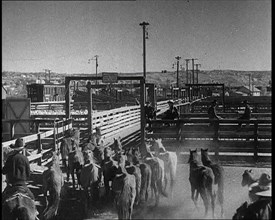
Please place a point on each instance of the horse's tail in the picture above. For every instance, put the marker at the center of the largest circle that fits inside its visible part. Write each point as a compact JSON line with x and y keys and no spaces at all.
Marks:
{"x":52,"y":210}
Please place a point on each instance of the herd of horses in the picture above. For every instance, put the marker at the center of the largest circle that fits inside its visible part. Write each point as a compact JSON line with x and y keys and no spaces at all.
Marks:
{"x":123,"y":176}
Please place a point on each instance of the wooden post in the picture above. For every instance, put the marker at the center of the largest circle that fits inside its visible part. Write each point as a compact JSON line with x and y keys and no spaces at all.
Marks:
{"x":90,"y":105}
{"x":216,"y":125}
{"x":256,"y":141}
{"x":67,"y":97}
{"x":12,"y":125}
{"x":39,"y":143}
{"x":54,"y":135}
{"x":142,"y":115}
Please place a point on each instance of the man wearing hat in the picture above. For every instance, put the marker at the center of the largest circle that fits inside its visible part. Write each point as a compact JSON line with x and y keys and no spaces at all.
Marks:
{"x":172,"y":112}
{"x":261,"y":207}
{"x":212,"y":111}
{"x":247,"y":112}
{"x":17,"y":171}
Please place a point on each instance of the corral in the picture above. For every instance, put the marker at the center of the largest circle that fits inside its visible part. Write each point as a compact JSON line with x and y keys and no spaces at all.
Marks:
{"x":229,"y":144}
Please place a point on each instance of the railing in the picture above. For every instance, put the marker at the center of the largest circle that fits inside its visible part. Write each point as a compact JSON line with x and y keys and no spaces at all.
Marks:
{"x":224,"y":135}
{"x":35,"y":148}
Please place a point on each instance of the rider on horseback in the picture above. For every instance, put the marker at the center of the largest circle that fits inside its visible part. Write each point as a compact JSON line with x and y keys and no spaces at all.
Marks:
{"x":17,"y":171}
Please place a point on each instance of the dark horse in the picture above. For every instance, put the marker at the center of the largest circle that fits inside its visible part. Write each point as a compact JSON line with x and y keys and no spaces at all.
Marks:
{"x":19,"y":206}
{"x":90,"y":177}
{"x":75,"y":163}
{"x":52,"y":182}
{"x":219,"y":176}
{"x":202,"y":180}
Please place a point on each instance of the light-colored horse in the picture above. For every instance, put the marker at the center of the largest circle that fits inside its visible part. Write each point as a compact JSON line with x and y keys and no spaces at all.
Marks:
{"x":170,"y":163}
{"x":52,"y":182}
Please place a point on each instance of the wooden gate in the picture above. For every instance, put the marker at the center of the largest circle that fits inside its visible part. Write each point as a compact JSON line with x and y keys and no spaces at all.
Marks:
{"x":18,"y":109}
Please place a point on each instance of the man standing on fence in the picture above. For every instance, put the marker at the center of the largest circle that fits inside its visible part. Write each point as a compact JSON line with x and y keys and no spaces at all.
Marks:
{"x":17,"y":171}
{"x":212,"y":114}
{"x":247,"y":112}
{"x":172,"y":112}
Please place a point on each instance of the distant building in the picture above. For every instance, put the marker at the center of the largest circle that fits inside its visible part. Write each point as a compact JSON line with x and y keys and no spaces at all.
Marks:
{"x":246,"y":91}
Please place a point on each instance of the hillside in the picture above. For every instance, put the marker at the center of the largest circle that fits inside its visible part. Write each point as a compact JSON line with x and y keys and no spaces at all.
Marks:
{"x":15,"y":82}
{"x":230,"y":78}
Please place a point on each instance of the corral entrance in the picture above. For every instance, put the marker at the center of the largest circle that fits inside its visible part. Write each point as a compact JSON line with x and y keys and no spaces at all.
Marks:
{"x":208,"y":86}
{"x":105,"y":78}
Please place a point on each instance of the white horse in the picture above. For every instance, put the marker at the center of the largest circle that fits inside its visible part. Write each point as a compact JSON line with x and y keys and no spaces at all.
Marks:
{"x":170,"y":163}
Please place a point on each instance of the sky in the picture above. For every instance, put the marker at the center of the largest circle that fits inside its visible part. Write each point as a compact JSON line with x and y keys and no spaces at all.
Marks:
{"x":62,"y":36}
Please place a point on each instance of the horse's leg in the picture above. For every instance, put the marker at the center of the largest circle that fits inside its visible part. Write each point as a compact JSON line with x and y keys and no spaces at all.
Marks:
{"x":73,"y":177}
{"x":220,"y":195}
{"x":212,"y":197}
{"x":205,"y":199}
{"x":192,"y":196}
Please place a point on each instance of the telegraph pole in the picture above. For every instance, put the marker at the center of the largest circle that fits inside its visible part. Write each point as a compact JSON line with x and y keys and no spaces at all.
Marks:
{"x":193,"y":70}
{"x":96,"y":65}
{"x":144,"y":24}
{"x":197,"y":70}
{"x":187,"y":78}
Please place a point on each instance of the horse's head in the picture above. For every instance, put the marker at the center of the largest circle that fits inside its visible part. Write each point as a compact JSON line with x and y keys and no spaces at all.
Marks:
{"x":88,"y":156}
{"x":117,"y":146}
{"x":157,"y":146}
{"x":193,"y":157}
{"x":204,"y":153}
{"x":246,"y":177}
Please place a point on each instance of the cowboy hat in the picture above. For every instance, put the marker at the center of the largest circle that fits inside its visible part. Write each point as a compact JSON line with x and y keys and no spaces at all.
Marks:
{"x":262,"y":187}
{"x":19,"y":144}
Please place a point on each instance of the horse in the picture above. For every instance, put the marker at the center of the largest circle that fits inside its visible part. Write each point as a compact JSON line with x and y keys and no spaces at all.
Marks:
{"x":65,"y":148}
{"x":134,"y":170}
{"x":117,"y":146}
{"x":219,"y":176}
{"x":96,"y":144}
{"x":75,"y":163}
{"x":201,"y":179}
{"x":124,"y":188}
{"x":170,"y":163}
{"x":52,"y":182}
{"x":71,"y":139}
{"x":157,"y":178}
{"x":248,"y":179}
{"x":90,"y":177}
{"x":109,"y":168}
{"x":146,"y":173}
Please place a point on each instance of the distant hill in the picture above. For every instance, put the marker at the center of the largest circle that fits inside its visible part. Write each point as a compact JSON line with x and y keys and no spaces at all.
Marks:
{"x":228,"y":77}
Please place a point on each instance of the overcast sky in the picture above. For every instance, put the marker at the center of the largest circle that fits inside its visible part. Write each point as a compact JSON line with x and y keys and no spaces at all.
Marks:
{"x":62,"y":36}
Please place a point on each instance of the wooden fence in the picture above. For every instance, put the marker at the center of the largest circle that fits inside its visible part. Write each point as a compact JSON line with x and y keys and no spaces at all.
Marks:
{"x":220,"y":135}
{"x":47,"y":138}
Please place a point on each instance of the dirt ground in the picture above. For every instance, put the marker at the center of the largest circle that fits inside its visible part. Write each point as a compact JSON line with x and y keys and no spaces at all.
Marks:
{"x":178,"y":207}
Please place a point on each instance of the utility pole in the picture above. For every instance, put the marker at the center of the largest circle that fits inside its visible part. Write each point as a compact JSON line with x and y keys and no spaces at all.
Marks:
{"x":96,"y":65}
{"x":178,"y":58}
{"x":193,"y":70}
{"x":187,"y":78}
{"x":144,"y":24}
{"x":197,"y":70}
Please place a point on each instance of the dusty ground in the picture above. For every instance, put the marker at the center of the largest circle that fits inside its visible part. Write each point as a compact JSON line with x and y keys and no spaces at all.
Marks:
{"x":180,"y":207}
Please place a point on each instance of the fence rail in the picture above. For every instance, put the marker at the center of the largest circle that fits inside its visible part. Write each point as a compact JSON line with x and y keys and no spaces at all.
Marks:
{"x":224,"y":135}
